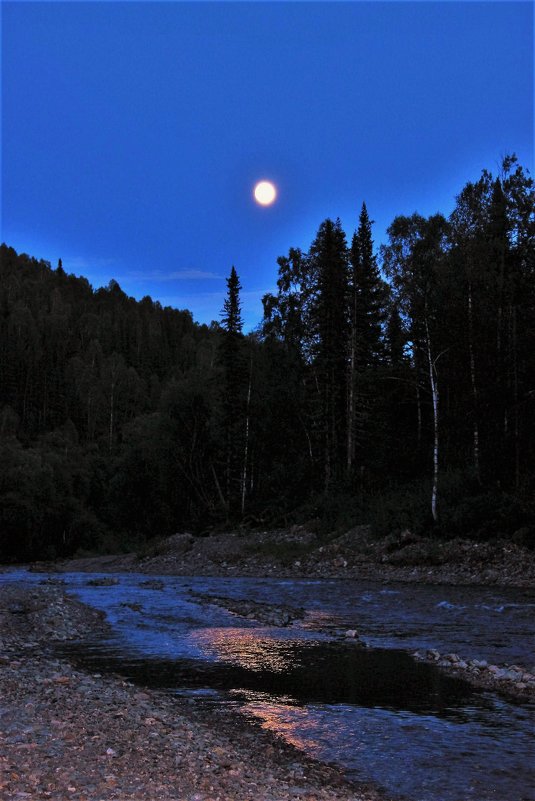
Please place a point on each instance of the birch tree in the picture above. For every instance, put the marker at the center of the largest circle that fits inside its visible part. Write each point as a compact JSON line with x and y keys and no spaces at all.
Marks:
{"x":413,"y":261}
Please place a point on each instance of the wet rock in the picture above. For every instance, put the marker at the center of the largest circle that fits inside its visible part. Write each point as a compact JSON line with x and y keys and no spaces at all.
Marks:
{"x":514,"y":675}
{"x":511,"y":679}
{"x":106,"y":581}
{"x":153,"y":584}
{"x":133,"y":605}
{"x":417,"y":655}
{"x":270,"y":615}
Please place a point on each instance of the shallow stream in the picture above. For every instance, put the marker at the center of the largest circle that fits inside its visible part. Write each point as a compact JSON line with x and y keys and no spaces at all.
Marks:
{"x":380,"y":715}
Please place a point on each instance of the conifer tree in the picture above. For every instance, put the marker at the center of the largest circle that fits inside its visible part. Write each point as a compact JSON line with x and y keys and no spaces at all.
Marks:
{"x":234,"y":384}
{"x":367,"y":311}
{"x":329,"y":262}
{"x":370,"y":295}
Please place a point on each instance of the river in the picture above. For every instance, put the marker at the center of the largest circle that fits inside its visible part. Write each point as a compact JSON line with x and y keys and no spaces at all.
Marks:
{"x":374,"y":711}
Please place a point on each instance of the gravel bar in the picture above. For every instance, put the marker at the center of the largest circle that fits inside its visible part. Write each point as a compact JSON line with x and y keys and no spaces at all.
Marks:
{"x":69,"y":734}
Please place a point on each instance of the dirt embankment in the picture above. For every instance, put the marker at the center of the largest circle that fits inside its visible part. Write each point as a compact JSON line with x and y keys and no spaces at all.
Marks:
{"x":299,"y":552}
{"x":68,"y":734}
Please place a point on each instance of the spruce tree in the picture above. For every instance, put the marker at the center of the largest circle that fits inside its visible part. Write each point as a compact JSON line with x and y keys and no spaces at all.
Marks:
{"x":368,"y":294}
{"x":329,"y":262}
{"x":234,"y":383}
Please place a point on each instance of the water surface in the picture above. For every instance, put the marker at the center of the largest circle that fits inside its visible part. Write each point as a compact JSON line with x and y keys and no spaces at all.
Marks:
{"x":377,"y":713}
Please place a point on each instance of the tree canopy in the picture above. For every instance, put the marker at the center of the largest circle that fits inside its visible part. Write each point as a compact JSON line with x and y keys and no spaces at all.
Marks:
{"x":397,"y":378}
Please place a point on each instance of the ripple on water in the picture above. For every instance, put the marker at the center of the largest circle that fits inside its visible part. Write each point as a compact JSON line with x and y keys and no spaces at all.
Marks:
{"x":369,"y":710}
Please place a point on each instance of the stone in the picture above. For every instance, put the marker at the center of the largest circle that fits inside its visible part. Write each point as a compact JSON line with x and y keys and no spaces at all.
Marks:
{"x":107,"y":581}
{"x":501,"y":673}
{"x":514,"y":675}
{"x":339,"y":562}
{"x":153,"y":584}
{"x":134,"y":606}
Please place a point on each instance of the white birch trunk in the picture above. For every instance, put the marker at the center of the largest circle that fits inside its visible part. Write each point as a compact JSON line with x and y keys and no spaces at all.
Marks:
{"x":435,"y":397}
{"x":218,"y":487}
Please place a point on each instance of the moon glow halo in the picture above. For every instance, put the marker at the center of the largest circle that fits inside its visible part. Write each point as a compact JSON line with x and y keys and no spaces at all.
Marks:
{"x":265,"y":193}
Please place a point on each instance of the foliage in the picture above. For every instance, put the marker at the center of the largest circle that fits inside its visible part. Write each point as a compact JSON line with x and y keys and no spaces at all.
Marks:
{"x":356,"y":401}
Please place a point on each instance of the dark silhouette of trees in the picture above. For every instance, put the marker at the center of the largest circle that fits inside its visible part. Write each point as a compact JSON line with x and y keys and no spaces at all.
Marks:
{"x":236,"y":398}
{"x":328,"y":259}
{"x":368,"y":298}
{"x":393,"y":387}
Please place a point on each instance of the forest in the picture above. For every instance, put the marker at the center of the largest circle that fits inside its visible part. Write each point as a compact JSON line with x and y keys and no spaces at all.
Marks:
{"x":389,"y":385}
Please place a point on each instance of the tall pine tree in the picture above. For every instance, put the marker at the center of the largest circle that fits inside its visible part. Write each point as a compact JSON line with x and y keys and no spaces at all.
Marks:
{"x":328,"y":256}
{"x":368,"y":295}
{"x":234,"y":394}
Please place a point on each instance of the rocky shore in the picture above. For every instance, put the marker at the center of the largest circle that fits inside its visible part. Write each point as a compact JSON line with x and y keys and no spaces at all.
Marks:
{"x":68,"y":734}
{"x":514,"y":681}
{"x":299,"y":552}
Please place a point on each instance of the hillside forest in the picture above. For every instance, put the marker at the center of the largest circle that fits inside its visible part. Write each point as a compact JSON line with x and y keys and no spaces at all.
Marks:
{"x":392,"y":386}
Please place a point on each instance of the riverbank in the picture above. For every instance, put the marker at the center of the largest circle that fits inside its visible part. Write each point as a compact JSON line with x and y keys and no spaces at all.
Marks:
{"x":299,"y":552}
{"x":68,"y":734}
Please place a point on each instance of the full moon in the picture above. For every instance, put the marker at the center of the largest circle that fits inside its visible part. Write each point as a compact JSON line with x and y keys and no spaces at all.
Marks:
{"x":265,"y":193}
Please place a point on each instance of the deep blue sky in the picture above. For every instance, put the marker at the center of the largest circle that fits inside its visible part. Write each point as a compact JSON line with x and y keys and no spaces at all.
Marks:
{"x":133,"y":132}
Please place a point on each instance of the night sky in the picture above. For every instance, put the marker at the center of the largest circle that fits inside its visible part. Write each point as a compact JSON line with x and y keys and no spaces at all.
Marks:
{"x":133,"y":133}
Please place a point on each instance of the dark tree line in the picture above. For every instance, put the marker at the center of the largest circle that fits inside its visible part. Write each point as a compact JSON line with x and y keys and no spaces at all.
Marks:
{"x":395,"y":386}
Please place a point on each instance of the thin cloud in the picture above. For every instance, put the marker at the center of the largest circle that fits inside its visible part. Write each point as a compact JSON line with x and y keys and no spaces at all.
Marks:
{"x":193,"y":275}
{"x":80,"y":263}
{"x":187,"y":274}
{"x":250,"y":294}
